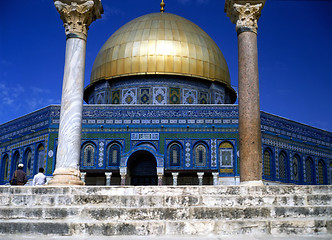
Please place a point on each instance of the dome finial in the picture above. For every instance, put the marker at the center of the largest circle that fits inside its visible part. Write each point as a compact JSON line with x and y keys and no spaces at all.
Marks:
{"x":162,"y":5}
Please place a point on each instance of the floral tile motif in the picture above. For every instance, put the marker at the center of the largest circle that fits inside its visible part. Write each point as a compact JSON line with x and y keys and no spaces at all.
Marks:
{"x":129,"y":96}
{"x":159,"y":95}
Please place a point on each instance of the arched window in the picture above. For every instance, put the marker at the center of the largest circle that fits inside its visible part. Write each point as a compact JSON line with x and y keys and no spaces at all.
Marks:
{"x":28,"y":161}
{"x":296,"y":168}
{"x":5,"y":161}
{"x":321,"y":172}
{"x":88,"y":155}
{"x":309,"y":170}
{"x":114,"y":156}
{"x":282,"y":165}
{"x":175,"y":155}
{"x":15,"y":161}
{"x":200,"y":155}
{"x":40,"y":156}
{"x":226,"y":154}
{"x":267,"y":163}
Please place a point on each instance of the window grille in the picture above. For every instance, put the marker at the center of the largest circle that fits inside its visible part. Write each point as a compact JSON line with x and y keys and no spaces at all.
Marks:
{"x":282,"y":165}
{"x":200,"y":155}
{"x":309,"y":171}
{"x":175,"y":154}
{"x":321,"y":170}
{"x":267,"y":163}
{"x":296,"y":168}
{"x":114,"y":155}
{"x":88,"y":153}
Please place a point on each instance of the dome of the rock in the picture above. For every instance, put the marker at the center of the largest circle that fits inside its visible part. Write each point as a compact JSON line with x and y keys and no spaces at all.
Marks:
{"x":166,"y":45}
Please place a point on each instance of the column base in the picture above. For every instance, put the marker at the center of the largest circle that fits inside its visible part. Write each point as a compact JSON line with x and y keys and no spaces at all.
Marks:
{"x":252,"y":183}
{"x":66,"y":176}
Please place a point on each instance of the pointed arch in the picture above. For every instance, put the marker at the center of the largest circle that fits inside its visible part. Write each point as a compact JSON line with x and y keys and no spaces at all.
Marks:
{"x":114,"y":154}
{"x":267,"y":161}
{"x":309,"y":171}
{"x":15,"y":161}
{"x":174,"y":154}
{"x":296,"y":168}
{"x":88,"y":154}
{"x":40,"y":156}
{"x":5,"y":165}
{"x":283,"y":169}
{"x":200,"y":154}
{"x":27,"y":159}
{"x":322,"y":172}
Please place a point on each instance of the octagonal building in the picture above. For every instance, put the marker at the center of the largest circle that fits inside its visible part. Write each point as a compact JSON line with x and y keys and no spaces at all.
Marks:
{"x":161,"y":110}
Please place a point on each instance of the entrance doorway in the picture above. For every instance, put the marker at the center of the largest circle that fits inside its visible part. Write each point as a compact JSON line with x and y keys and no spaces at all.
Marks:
{"x":142,"y":167}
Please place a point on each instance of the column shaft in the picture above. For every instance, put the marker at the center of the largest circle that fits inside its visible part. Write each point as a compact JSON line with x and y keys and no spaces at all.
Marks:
{"x":245,"y":15}
{"x":249,"y":110}
{"x":76,"y":15}
{"x":70,"y":127}
{"x":175,"y":178}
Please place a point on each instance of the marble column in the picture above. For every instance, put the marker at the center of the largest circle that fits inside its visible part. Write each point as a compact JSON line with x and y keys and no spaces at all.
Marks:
{"x":123,"y":179}
{"x":200,"y":178}
{"x":83,"y":174}
{"x":245,"y":15}
{"x":123,"y":174}
{"x":160,"y":174}
{"x":76,"y":15}
{"x":108,"y":178}
{"x":215,"y":178}
{"x":175,"y":178}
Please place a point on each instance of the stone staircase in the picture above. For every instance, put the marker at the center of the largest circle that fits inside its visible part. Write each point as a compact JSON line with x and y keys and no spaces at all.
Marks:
{"x":166,"y":210}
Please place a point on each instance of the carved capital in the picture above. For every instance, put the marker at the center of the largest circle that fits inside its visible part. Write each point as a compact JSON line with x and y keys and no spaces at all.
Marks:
{"x":247,"y":17}
{"x":244,"y":14}
{"x":77,"y":15}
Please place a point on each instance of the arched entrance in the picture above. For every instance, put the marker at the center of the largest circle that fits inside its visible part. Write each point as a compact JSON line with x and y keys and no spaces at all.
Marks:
{"x":142,"y":168}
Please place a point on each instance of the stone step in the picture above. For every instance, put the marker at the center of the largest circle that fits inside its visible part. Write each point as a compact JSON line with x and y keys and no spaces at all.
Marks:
{"x":188,"y":228}
{"x":164,"y":214}
{"x":164,"y":200}
{"x":170,"y":237}
{"x":169,"y":190}
{"x":155,"y":210}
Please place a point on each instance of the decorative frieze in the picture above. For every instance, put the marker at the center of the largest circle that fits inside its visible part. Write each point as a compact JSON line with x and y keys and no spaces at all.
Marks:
{"x":144,"y":136}
{"x":295,"y":148}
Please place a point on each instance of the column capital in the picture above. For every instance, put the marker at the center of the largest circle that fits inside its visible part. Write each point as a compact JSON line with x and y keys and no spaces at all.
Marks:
{"x":108,"y":174}
{"x":175,"y":174}
{"x":160,"y":171}
{"x":200,"y":174}
{"x":244,"y":13}
{"x":123,"y":171}
{"x":77,"y":15}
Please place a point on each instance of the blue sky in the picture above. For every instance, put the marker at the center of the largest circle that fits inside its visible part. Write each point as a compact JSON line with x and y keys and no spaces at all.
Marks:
{"x":294,"y":47}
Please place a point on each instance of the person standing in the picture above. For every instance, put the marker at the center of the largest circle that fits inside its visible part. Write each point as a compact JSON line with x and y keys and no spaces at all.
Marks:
{"x":20,"y":175}
{"x":39,"y":178}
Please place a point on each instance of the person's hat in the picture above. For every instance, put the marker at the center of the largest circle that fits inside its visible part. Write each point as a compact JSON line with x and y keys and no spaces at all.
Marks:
{"x":20,"y":165}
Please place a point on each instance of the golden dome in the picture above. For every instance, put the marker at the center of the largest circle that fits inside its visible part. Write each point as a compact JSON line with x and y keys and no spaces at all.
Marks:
{"x":160,"y":43}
